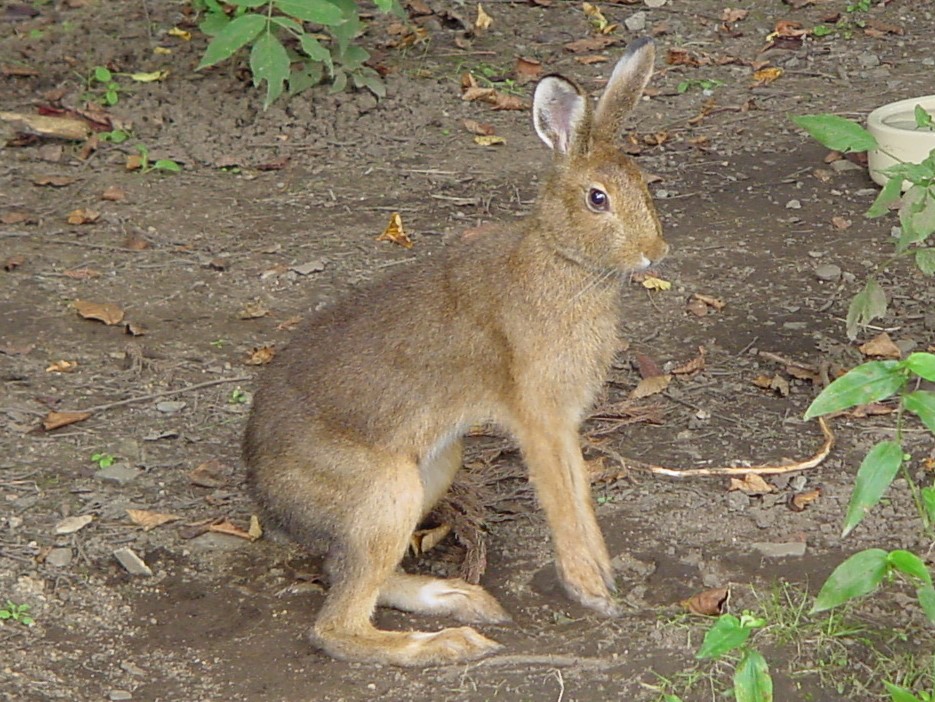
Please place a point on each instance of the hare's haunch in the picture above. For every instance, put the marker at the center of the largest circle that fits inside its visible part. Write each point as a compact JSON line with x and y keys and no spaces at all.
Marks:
{"x":356,"y":427}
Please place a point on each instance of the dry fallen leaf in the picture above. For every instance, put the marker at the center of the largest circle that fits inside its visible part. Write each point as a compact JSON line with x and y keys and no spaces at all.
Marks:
{"x":800,"y":500}
{"x":502,"y":101}
{"x":253,"y":310}
{"x":288,"y":324}
{"x":69,"y":525}
{"x":104,"y":312}
{"x":527,"y":70}
{"x":647,"y":365}
{"x":652,"y":385}
{"x":651,"y":282}
{"x":394,"y":232}
{"x":765,"y":76}
{"x":693,"y":366}
{"x":682,"y":57}
{"x":55,"y":420}
{"x":210,"y":474}
{"x":751,"y":484}
{"x":483,"y":20}
{"x":17,"y":218}
{"x":261,"y":355}
{"x":732,"y":15}
{"x":788,"y":28}
{"x":14,"y":262}
{"x":592,"y":59}
{"x":478,"y":128}
{"x":56,"y":181}
{"x":597,"y":19}
{"x":114,"y":193}
{"x":424,"y":540}
{"x":590,"y":44}
{"x":492,"y":140}
{"x":62,"y":367}
{"x":150,"y":520}
{"x":254,"y":531}
{"x":776,"y":383}
{"x":880,"y":346}
{"x":82,"y":273}
{"x":135,"y":242}
{"x":226,"y":527}
{"x":83,"y":216}
{"x":710,"y":603}
{"x":710,"y":301}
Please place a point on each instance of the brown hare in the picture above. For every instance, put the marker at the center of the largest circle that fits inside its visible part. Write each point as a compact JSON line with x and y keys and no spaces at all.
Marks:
{"x":356,"y":426}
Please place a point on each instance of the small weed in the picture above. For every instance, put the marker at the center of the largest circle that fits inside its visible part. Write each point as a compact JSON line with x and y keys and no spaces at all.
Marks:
{"x":117,"y":136}
{"x":17,"y":613}
{"x":102,"y":84}
{"x":218,"y":343}
{"x":237,"y":397}
{"x":103,"y":460}
{"x":162,"y":164}
{"x":703,"y":84}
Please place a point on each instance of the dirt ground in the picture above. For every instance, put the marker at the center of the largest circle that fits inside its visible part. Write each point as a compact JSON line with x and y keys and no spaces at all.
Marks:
{"x":276,"y":212}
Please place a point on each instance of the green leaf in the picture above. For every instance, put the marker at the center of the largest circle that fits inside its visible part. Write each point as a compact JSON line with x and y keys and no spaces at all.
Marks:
{"x":726,"y":635}
{"x":339,"y":83}
{"x":916,"y":217}
{"x":102,"y":74}
{"x":910,"y":564}
{"x":922,"y":364}
{"x":247,"y":3}
{"x":866,"y":306}
{"x":928,"y":502}
{"x":213,"y":23}
{"x":166,"y":164}
{"x":345,"y":33}
{"x":304,"y":78}
{"x":858,"y":575}
{"x":899,"y":694}
{"x":752,"y":682}
{"x":875,"y":474}
{"x":868,"y":382}
{"x":926,"y":595}
{"x":311,"y":46}
{"x":922,"y":404}
{"x":236,"y":34}
{"x":370,"y":79}
{"x":890,"y":193}
{"x":270,"y":62}
{"x":289,"y":24}
{"x":925,"y":260}
{"x":923,"y":118}
{"x":836,"y":133}
{"x":317,"y":11}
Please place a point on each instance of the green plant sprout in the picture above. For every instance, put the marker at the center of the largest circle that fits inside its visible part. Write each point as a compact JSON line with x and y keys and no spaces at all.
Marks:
{"x":874,"y":381}
{"x":699,"y":83}
{"x":261,"y":23}
{"x":17,"y":613}
{"x":103,"y":460}
{"x":237,"y":397}
{"x":101,"y":82}
{"x":162,"y":164}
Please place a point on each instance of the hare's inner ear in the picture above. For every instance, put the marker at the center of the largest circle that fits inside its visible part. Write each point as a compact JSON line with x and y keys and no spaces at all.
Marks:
{"x":624,"y":89}
{"x":560,"y":114}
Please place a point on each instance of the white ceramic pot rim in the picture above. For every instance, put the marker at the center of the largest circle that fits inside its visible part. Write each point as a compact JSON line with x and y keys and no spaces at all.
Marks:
{"x":875,"y":120}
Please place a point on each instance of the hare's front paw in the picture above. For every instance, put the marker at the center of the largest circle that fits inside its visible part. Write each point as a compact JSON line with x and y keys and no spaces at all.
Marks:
{"x":589,"y":580}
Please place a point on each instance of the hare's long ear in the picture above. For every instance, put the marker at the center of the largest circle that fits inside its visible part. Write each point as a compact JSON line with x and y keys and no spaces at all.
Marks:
{"x":623,"y":91}
{"x":561,"y":115}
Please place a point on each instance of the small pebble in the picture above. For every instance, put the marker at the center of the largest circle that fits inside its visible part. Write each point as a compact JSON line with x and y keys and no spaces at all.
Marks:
{"x":59,"y":557}
{"x":781,"y":550}
{"x":737,"y":501}
{"x":636,"y":22}
{"x":828,"y":272}
{"x":171,"y":406}
{"x":315,"y":266}
{"x":117,"y":695}
{"x":133,"y":564}
{"x":119,"y":473}
{"x":794,"y":205}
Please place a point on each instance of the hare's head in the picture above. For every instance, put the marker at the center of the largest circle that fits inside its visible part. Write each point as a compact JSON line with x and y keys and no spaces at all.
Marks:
{"x":597,"y":209}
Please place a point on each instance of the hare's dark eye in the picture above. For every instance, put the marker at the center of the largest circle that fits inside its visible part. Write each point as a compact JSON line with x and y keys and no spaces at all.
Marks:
{"x":598,"y":200}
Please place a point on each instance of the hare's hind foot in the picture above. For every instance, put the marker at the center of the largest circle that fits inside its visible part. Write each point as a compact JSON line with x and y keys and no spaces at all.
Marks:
{"x":454,"y":598}
{"x":412,"y":648}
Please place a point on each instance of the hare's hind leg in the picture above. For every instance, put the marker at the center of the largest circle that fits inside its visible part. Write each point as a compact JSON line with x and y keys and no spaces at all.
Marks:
{"x":557,"y":469}
{"x":383,"y":503}
{"x":452,"y":597}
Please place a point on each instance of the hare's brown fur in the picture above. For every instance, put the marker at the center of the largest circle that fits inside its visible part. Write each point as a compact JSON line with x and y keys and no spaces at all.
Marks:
{"x":355,"y":429}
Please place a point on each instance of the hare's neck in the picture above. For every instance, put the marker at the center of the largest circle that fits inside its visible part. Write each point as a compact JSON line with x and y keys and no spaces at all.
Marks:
{"x":562,"y":275}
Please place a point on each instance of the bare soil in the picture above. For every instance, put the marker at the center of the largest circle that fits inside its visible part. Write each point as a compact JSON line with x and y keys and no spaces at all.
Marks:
{"x":277,"y":212}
